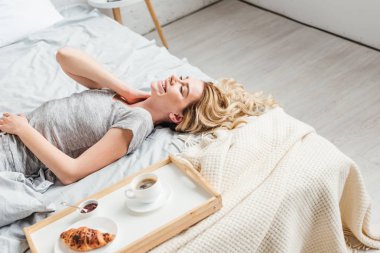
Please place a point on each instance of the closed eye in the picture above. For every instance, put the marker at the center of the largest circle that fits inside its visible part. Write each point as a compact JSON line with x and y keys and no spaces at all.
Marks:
{"x":187,"y":86}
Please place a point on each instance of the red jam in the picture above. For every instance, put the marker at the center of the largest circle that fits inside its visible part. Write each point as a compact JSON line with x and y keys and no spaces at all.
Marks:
{"x":89,"y":208}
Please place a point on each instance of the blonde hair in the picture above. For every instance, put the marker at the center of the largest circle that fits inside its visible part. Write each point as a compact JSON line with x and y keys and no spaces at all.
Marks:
{"x":225,"y":105}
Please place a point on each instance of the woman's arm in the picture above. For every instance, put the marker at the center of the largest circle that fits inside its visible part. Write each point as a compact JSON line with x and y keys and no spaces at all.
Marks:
{"x":86,"y":71}
{"x":111,"y":147}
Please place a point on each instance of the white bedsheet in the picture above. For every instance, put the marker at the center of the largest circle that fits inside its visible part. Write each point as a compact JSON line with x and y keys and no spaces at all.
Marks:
{"x":30,"y":75}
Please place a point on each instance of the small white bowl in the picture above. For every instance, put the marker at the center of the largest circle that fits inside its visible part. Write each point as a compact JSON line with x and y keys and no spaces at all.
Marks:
{"x":84,"y":204}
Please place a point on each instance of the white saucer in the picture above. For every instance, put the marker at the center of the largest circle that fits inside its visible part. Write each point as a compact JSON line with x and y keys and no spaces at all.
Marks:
{"x":138,"y":207}
{"x":105,"y":225}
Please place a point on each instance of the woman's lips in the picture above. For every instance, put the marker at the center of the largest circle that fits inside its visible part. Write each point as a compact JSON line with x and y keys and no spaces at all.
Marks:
{"x":162,"y":85}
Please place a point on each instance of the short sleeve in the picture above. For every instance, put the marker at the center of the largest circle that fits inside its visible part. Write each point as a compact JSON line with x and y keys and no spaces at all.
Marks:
{"x":136,"y":119}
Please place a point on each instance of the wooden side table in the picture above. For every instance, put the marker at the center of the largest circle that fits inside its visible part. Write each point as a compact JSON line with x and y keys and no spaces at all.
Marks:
{"x":116,"y":5}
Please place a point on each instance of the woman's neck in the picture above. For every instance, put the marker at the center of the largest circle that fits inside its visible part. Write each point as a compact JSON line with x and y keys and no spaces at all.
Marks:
{"x":157,"y":116}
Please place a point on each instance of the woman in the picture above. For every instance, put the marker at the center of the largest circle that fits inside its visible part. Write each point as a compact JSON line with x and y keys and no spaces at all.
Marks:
{"x":78,"y":135}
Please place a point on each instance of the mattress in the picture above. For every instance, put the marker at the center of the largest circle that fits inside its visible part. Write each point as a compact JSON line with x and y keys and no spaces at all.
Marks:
{"x":30,"y":76}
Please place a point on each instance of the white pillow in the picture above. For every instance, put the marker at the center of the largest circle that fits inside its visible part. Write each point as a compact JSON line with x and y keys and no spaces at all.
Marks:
{"x":19,"y":18}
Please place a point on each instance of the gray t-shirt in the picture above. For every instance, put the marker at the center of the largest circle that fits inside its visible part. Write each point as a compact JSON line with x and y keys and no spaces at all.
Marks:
{"x":75,"y":123}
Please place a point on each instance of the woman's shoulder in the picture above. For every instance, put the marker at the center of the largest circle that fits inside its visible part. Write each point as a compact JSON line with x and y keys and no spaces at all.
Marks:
{"x":135,"y":113}
{"x":136,"y":119}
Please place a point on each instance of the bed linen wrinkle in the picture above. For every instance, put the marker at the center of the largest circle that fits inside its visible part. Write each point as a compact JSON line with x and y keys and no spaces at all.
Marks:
{"x":20,"y":192}
{"x":5,"y":160}
{"x":6,"y":156}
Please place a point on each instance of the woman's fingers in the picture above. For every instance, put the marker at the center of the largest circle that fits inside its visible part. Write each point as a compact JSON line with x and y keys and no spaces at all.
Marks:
{"x":7,"y":114}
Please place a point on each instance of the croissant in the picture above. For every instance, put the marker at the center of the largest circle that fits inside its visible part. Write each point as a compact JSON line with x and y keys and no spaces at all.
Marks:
{"x":85,"y":239}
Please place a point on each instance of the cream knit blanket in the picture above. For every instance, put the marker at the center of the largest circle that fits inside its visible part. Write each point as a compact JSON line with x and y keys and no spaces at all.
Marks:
{"x":284,"y":189}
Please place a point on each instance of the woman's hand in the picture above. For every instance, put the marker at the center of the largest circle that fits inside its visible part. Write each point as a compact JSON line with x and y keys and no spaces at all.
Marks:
{"x":13,"y":124}
{"x":132,"y":95}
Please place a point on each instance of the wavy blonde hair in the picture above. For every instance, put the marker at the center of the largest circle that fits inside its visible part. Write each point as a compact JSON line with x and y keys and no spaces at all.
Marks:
{"x":225,"y":105}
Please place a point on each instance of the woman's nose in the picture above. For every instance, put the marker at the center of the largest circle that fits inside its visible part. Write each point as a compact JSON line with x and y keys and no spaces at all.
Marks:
{"x":173,"y":79}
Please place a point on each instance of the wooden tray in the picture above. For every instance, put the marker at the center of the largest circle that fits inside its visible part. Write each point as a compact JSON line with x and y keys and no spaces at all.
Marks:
{"x":192,"y":200}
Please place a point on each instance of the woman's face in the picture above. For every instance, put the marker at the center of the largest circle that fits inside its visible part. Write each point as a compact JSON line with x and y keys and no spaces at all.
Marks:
{"x":172,"y":95}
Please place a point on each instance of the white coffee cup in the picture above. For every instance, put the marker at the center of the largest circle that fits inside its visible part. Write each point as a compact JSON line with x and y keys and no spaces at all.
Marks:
{"x":145,"y":188}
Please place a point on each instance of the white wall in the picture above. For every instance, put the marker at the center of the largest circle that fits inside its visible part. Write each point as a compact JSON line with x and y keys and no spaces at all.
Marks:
{"x":358,"y":20}
{"x":137,"y":16}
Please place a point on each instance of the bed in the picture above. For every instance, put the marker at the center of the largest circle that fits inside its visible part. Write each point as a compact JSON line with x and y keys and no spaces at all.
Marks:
{"x":251,"y":219}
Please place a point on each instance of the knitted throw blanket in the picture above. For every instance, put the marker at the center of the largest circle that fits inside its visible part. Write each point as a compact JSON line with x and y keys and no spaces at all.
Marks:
{"x":284,"y":189}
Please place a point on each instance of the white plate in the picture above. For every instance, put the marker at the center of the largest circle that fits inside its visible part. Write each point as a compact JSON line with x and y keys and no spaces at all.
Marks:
{"x":138,"y":207}
{"x":105,"y":225}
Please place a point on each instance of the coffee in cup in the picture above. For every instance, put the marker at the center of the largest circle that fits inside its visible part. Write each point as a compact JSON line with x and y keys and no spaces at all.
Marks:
{"x":146,"y":183}
{"x":145,"y":188}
